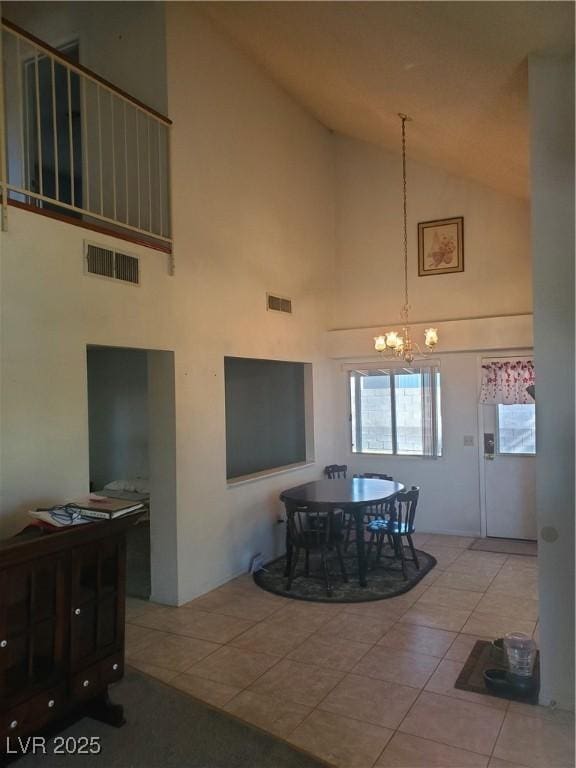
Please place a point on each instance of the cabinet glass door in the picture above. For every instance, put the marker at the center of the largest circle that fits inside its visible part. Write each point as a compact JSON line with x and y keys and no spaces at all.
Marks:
{"x":31,"y":647}
{"x":96,"y":578}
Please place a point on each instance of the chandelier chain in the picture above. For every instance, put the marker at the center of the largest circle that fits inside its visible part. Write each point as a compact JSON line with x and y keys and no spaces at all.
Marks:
{"x":401,"y":344}
{"x":405,"y":214}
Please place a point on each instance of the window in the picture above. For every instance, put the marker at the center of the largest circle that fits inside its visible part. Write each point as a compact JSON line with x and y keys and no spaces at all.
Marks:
{"x":396,"y":411}
{"x":268,"y":416}
{"x":517,"y":428}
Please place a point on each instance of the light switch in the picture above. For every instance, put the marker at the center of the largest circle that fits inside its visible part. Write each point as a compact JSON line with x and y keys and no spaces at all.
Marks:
{"x":469,"y":440}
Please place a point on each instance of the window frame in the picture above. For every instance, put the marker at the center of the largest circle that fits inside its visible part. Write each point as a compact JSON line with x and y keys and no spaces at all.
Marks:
{"x":393,"y":370}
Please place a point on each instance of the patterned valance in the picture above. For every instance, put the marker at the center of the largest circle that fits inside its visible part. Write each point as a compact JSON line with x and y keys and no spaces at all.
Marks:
{"x":504,"y":382}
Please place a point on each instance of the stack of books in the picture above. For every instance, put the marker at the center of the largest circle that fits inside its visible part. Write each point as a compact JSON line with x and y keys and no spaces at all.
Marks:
{"x":88,"y":509}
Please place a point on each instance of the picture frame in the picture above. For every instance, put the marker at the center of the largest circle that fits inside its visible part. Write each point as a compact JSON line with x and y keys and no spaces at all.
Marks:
{"x":441,"y":246}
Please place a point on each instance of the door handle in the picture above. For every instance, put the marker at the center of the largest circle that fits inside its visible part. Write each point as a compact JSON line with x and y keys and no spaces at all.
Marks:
{"x":489,"y":445}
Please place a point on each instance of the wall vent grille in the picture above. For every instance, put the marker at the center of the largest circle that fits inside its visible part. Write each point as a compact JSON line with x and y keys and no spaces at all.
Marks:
{"x":278,"y":304}
{"x":107,"y":262}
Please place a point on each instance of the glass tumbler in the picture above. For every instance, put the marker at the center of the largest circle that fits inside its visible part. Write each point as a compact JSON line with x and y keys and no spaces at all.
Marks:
{"x":521,"y":654}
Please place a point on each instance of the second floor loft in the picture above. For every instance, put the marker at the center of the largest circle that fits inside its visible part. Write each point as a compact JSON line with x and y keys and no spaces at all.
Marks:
{"x":77,"y":147}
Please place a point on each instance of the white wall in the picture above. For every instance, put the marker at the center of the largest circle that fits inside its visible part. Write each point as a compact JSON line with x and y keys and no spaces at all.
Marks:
{"x":118,"y":415}
{"x":253,"y":212}
{"x":552,"y":163}
{"x":370,"y":272}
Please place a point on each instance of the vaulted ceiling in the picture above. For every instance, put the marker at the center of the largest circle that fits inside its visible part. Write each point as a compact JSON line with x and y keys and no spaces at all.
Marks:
{"x":459,"y":69}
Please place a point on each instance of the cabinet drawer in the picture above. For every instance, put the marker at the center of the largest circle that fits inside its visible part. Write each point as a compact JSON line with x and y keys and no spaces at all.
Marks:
{"x":112,"y":668}
{"x":86,"y":683}
{"x":33,"y":714}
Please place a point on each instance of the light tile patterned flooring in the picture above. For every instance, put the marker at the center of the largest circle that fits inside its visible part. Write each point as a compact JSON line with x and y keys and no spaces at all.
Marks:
{"x":362,"y":685}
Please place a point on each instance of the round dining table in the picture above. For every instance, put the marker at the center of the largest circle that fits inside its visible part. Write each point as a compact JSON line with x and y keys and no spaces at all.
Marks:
{"x":354,"y":495}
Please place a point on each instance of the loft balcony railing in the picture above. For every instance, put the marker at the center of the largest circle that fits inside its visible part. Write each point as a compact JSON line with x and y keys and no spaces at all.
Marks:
{"x":74,"y":145}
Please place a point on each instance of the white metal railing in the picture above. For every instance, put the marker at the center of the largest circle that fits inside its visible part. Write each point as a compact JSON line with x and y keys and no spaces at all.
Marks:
{"x":73,"y":143}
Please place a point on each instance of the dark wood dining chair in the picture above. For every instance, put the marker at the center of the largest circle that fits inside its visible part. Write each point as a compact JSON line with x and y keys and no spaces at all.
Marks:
{"x":395,"y":525}
{"x":372,"y":512}
{"x":336,"y":471}
{"x":314,"y":531}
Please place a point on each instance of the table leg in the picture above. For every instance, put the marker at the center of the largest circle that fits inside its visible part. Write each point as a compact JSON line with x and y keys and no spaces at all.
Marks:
{"x":360,"y":545}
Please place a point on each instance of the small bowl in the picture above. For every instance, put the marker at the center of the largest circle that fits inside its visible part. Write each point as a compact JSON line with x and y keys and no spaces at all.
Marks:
{"x":498,"y":652}
{"x":496,"y":680}
{"x":522,"y":685}
{"x":502,"y":683}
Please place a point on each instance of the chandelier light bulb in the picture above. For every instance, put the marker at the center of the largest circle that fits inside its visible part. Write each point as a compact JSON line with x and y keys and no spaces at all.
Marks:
{"x":379,"y":343}
{"x":431,"y":337}
{"x":393,"y":340}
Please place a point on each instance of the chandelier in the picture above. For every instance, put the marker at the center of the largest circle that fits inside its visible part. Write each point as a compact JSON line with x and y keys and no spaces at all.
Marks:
{"x":401,"y":344}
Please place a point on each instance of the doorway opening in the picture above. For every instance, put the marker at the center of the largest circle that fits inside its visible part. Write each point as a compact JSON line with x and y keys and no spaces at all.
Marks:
{"x":131,"y":420}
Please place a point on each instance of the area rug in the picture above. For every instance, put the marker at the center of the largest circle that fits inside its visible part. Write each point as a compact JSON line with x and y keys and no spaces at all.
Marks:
{"x":166,"y":728}
{"x":506,"y":546}
{"x":384,"y":581}
{"x":471,"y":678}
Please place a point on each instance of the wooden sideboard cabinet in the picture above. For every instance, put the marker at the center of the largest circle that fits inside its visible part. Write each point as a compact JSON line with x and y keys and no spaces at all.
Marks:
{"x":62,"y":597}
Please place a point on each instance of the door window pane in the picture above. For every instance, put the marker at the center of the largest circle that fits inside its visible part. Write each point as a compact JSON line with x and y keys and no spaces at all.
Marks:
{"x":517,"y":428}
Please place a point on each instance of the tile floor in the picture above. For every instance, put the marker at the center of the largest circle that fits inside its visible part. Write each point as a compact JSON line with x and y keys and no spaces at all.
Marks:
{"x":363,"y":685}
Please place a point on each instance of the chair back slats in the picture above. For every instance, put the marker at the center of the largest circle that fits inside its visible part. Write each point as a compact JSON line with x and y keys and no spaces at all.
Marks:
{"x":334,"y":471}
{"x":374,"y":476}
{"x":310,"y":527}
{"x":405,"y":504}
{"x":380,"y":509}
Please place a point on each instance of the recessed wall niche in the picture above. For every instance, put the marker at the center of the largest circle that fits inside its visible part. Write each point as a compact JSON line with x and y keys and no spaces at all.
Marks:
{"x":268,"y":415}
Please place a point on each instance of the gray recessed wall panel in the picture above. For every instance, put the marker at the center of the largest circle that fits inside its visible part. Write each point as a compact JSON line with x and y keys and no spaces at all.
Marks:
{"x":265,"y":415}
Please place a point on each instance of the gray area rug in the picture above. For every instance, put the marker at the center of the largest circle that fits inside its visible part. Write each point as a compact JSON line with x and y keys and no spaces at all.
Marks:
{"x":384,"y":580}
{"x":506,"y":546}
{"x":166,"y":728}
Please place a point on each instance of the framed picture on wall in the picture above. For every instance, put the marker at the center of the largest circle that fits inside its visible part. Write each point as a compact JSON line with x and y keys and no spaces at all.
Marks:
{"x":441,"y":246}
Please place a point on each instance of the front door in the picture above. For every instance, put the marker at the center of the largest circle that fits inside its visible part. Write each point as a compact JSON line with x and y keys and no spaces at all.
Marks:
{"x":509,"y":470}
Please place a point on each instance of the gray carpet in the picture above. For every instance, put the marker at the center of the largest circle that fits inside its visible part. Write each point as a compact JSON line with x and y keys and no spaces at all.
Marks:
{"x":506,"y":546}
{"x":168,"y":729}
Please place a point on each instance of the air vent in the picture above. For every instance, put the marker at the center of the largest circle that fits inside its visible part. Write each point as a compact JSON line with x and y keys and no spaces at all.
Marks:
{"x":279,"y":304}
{"x":113,"y":264}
